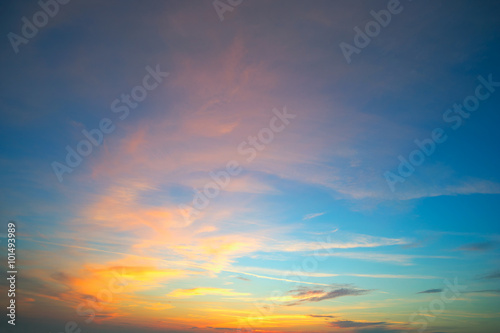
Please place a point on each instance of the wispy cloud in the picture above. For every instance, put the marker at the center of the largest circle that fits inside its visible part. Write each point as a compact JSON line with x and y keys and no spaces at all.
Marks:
{"x":399,"y":259}
{"x":311,"y":216}
{"x":481,"y":291}
{"x":394,"y":276}
{"x":242,"y":278}
{"x":278,"y":272}
{"x":204,"y":291}
{"x":277,"y":278}
{"x":485,"y":291}
{"x":303,"y":294}
{"x":479,"y":247}
{"x":342,"y":241}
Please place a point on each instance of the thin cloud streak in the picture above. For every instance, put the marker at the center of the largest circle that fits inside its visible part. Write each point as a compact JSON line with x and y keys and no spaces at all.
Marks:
{"x":399,"y":259}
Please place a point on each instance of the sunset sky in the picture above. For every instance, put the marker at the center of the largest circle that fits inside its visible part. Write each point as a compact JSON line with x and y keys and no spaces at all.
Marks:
{"x":227,"y":166}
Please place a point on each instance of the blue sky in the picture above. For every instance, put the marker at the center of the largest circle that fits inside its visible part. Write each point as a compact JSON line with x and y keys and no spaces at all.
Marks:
{"x":307,"y":235}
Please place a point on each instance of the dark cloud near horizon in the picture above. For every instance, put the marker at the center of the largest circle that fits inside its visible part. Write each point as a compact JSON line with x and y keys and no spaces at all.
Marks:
{"x":478,"y":247}
{"x":377,"y":330}
{"x":308,"y":295}
{"x":322,"y":316}
{"x":353,"y":324}
{"x":495,"y":291}
{"x":430,"y":291}
{"x":495,"y":275}
{"x":435,"y":291}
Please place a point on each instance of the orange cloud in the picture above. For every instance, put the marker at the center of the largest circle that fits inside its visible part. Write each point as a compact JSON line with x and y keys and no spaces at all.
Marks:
{"x":205,"y":291}
{"x":145,"y":274}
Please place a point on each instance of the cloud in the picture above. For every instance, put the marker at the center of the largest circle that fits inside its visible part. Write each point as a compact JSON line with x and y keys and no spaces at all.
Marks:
{"x":111,"y":287}
{"x":304,"y":294}
{"x":135,"y":278}
{"x":486,"y":291}
{"x":221,"y":90}
{"x":311,"y":216}
{"x":380,"y":329}
{"x":430,"y":291}
{"x":400,"y":259}
{"x":289,"y":273}
{"x":225,"y":328}
{"x":495,"y":275}
{"x":355,"y":324}
{"x":343,"y":240}
{"x":483,"y":291}
{"x":480,"y":247}
{"x":204,"y":291}
{"x":321,"y":316}
{"x":365,"y":326}
{"x":158,"y":306}
{"x":243,"y":278}
{"x":453,"y":188}
{"x":60,"y":276}
{"x":393,"y":276}
{"x":276,"y":278}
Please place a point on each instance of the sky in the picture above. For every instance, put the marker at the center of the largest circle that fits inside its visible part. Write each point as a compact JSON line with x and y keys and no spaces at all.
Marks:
{"x":251,"y":166}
